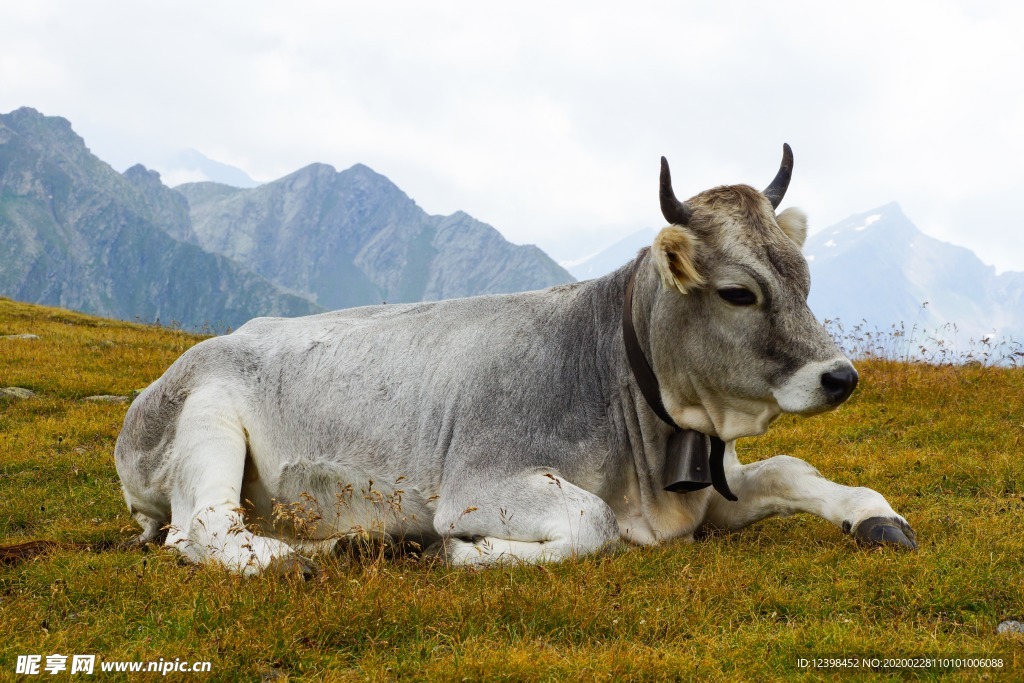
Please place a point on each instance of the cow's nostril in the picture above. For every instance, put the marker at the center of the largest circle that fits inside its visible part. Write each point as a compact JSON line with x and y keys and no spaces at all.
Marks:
{"x":839,"y":384}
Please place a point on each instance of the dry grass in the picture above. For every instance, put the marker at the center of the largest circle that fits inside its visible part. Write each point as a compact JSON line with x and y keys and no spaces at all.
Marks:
{"x":942,"y":443}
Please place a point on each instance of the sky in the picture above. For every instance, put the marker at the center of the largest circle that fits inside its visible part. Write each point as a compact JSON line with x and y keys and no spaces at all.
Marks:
{"x":548,"y":119}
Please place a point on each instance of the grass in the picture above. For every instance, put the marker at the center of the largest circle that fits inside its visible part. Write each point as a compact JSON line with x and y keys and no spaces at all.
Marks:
{"x":943,"y":443}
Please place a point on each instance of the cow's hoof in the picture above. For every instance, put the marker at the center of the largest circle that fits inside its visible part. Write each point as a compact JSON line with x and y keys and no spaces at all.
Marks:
{"x":885,"y":531}
{"x":293,"y":565}
{"x":370,"y":548}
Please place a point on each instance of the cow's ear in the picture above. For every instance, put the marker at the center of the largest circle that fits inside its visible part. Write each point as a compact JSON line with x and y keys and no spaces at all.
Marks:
{"x":675,"y":255}
{"x":794,"y":223}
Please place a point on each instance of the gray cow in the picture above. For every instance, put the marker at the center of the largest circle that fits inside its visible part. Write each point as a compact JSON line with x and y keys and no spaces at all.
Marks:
{"x":511,"y":427}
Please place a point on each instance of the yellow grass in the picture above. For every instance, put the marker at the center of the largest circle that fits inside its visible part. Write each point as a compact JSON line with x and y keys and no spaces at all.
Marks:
{"x":942,"y":443}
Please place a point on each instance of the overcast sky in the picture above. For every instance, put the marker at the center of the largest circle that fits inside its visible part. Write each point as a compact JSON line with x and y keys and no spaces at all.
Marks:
{"x":547,"y":120}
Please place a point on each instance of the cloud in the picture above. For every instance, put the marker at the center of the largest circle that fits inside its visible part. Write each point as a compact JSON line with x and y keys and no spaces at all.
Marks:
{"x":547,"y":119}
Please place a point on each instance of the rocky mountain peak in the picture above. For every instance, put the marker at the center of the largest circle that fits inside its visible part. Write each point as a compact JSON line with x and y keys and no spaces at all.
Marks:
{"x":166,"y":208}
{"x":84,"y":236}
{"x":352,"y":238}
{"x":27,"y":120}
{"x":141,"y":176}
{"x":878,"y":267}
{"x":77,"y":234}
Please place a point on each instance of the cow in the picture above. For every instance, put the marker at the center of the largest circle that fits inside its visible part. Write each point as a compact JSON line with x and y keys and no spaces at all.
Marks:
{"x":526,"y":427}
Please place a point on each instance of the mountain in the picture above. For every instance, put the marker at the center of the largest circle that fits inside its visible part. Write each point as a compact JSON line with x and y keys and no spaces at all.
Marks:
{"x":612,"y":257}
{"x":878,"y":268}
{"x":351,"y":238}
{"x":190,"y":166}
{"x":165,"y":207}
{"x":75,"y":233}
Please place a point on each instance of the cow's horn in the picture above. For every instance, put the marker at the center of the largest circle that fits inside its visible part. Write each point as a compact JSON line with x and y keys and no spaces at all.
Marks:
{"x":675,"y":211}
{"x":777,"y":190}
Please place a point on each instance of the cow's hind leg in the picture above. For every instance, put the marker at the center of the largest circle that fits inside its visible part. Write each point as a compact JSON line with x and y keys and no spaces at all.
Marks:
{"x":534,"y":516}
{"x":784,"y":485}
{"x":207,"y":524}
{"x":154,"y":529}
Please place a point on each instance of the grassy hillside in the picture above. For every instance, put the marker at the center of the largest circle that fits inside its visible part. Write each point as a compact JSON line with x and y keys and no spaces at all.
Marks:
{"x":942,"y":443}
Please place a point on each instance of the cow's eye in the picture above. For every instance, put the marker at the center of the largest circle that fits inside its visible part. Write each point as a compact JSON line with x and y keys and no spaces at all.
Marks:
{"x":738,"y":296}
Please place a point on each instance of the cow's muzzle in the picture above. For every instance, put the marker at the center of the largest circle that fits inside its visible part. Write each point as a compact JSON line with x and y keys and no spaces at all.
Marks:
{"x":839,"y":384}
{"x":817,"y":387}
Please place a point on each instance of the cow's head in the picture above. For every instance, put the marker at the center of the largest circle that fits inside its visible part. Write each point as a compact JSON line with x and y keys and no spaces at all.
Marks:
{"x":731,"y":336}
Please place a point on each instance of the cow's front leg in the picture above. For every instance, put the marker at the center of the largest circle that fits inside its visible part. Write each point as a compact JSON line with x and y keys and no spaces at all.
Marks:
{"x":531,"y":516}
{"x":784,"y":485}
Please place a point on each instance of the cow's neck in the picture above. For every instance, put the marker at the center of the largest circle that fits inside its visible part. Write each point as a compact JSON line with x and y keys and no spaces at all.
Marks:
{"x":647,"y":513}
{"x":689,"y":466}
{"x":637,"y":355}
{"x":646,"y":289}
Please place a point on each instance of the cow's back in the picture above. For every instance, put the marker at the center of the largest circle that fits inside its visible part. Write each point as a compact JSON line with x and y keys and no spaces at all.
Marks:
{"x":403,"y":390}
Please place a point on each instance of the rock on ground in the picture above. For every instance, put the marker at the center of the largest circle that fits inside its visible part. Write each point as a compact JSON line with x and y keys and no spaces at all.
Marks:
{"x":1011,"y":627}
{"x":17,"y":392}
{"x":106,"y":398}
